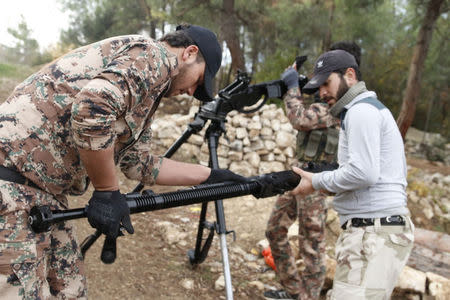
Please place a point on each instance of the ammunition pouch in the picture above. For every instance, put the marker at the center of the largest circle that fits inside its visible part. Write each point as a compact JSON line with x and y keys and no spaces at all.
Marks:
{"x":318,"y":145}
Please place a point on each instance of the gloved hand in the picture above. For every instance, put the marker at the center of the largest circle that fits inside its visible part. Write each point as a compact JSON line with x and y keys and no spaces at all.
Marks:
{"x":107,"y":210}
{"x":290,"y":78}
{"x":222,"y":175}
{"x":275,"y":183}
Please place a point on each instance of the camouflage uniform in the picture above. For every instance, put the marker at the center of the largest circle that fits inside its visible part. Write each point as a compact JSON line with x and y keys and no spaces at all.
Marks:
{"x":317,"y":140}
{"x":94,"y":97}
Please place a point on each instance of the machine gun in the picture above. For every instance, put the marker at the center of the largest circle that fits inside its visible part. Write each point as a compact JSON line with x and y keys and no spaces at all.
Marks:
{"x":262,"y":186}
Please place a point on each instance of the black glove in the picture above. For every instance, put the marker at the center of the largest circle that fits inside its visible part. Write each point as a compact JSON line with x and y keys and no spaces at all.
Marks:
{"x":290,"y":78}
{"x":107,"y":210}
{"x":275,"y":183}
{"x":299,"y":61}
{"x":319,"y":166}
{"x":222,"y":175}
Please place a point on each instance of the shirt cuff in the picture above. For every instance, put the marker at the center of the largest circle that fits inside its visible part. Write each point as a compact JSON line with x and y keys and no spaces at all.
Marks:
{"x":316,"y":181}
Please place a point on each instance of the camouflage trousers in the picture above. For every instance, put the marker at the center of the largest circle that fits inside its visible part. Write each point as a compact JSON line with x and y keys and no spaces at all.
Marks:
{"x":370,"y":260}
{"x":311,"y":213}
{"x":36,"y":265}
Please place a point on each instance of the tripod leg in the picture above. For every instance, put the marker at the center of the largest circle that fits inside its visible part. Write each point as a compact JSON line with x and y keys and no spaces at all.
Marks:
{"x":223,"y":246}
{"x":214,"y":133}
{"x":198,"y":255}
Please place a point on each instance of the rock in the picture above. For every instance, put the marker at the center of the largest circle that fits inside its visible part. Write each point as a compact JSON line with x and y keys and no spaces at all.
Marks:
{"x":235,"y":155}
{"x":428,"y":212}
{"x":257,"y":284}
{"x":196,"y":140}
{"x":253,"y":266}
{"x":253,"y":158}
{"x":268,"y":157}
{"x":219,"y":285}
{"x":268,"y":167}
{"x":284,"y":139}
{"x":412,"y":196}
{"x":266,"y":133}
{"x":270,"y":145}
{"x":255,"y":124}
{"x":438,"y":286}
{"x":171,"y":233}
{"x":412,"y":280}
{"x":262,"y":244}
{"x":237,"y":145}
{"x":188,"y":284}
{"x":289,"y":152}
{"x":242,"y":168}
{"x":268,"y":275}
{"x":241,"y":133}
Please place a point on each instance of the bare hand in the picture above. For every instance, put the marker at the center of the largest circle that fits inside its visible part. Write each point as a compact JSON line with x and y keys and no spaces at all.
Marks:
{"x":305,"y":186}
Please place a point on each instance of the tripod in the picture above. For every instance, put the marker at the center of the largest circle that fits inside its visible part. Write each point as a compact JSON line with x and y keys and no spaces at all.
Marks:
{"x":216,"y":112}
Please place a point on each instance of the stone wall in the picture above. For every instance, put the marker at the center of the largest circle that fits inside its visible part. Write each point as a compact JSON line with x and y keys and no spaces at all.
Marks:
{"x":257,"y":143}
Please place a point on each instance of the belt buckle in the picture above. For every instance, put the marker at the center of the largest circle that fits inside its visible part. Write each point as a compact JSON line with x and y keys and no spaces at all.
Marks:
{"x":391,"y":219}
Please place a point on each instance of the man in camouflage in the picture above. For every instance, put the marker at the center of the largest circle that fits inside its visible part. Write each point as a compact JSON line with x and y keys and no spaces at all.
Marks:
{"x":369,"y":184}
{"x":317,"y":141}
{"x":71,"y":123}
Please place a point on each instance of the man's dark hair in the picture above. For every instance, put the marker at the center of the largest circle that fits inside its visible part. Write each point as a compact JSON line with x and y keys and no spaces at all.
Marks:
{"x":350,"y":47}
{"x":353,"y":49}
{"x":179,"y":39}
{"x":341,"y":72}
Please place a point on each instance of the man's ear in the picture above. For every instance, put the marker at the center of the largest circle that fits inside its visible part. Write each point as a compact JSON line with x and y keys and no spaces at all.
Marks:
{"x":190,"y":54}
{"x":350,"y":76}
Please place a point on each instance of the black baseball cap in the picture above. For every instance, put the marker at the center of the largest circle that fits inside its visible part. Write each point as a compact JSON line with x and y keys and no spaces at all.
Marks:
{"x":209,"y":46}
{"x":326,"y":64}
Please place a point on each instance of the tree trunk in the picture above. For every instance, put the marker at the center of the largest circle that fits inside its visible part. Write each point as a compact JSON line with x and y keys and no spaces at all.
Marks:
{"x":327,"y":40}
{"x":412,"y":91}
{"x":149,"y":18}
{"x":229,"y":28}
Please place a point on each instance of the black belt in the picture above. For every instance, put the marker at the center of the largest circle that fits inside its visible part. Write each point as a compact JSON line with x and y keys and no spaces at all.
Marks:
{"x":14,"y":176}
{"x":386,"y":221}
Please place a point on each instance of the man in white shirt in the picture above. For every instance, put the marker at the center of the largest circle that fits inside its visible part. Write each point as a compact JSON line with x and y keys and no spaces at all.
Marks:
{"x":370,"y":183}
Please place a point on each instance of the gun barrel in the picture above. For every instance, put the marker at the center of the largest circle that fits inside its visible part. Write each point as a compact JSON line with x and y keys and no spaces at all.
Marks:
{"x":42,"y":217}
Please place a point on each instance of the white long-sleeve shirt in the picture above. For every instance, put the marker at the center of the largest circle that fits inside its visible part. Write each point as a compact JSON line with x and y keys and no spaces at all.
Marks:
{"x":371,"y":179}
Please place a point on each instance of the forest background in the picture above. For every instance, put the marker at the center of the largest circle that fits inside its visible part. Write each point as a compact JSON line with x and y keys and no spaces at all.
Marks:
{"x":404,"y":43}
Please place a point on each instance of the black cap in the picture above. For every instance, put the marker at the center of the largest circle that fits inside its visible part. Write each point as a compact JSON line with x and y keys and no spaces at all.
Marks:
{"x":326,"y":64}
{"x":209,"y":46}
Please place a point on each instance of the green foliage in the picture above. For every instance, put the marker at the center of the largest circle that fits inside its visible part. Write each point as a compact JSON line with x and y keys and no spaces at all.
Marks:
{"x":15,"y":71}
{"x":8,"y":70}
{"x":272,"y":33}
{"x":25,"y":50}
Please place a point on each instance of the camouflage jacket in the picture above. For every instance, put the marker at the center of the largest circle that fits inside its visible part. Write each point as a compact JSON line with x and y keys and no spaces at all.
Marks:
{"x":94,"y":97}
{"x":302,"y":118}
{"x":317,"y":137}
